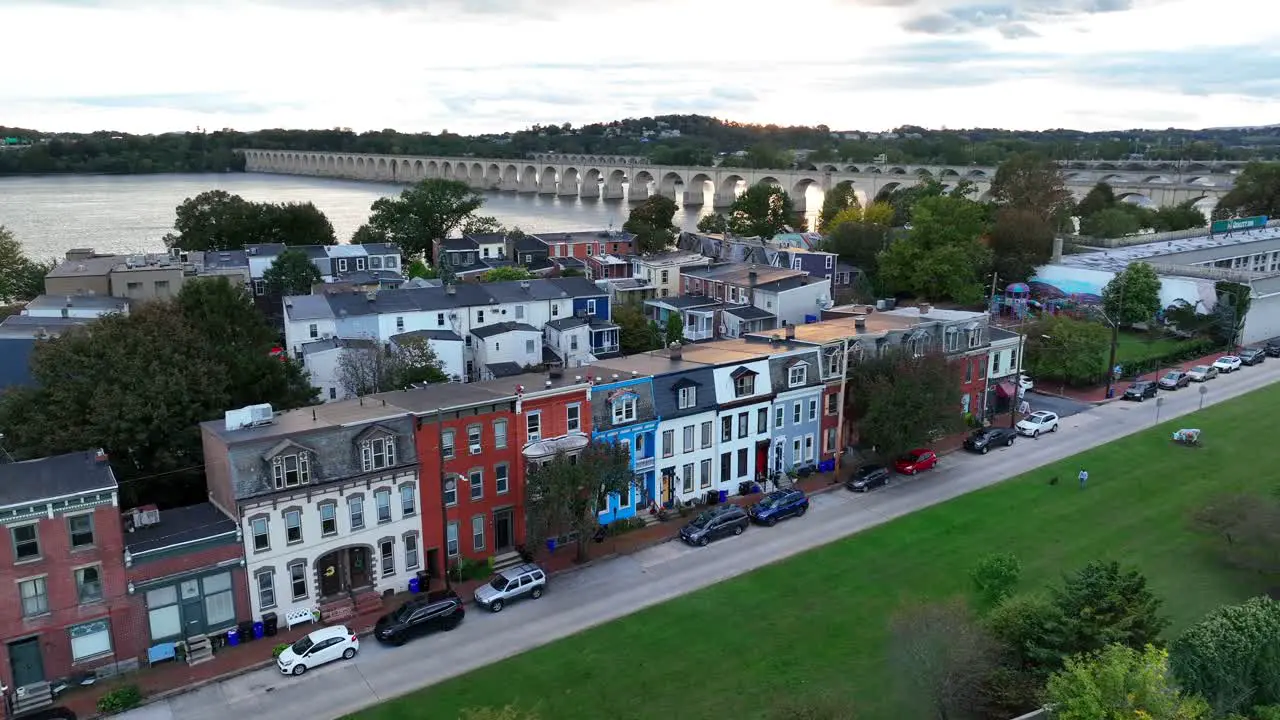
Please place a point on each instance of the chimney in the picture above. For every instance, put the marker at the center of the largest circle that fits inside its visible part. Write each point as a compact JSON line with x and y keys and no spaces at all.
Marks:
{"x":925,"y":309}
{"x":371,"y":296}
{"x":791,"y":332}
{"x":450,"y":289}
{"x":751,"y":278}
{"x":677,"y":351}
{"x":101,"y":456}
{"x":860,"y":322}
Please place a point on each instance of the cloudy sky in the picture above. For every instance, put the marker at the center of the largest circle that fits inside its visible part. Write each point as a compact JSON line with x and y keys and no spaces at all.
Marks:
{"x":495,"y":65}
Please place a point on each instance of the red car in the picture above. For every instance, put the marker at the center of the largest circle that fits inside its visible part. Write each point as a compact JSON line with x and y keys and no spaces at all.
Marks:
{"x":915,"y":461}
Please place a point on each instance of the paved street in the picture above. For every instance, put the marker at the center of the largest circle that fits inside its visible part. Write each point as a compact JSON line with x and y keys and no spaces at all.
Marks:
{"x":1064,"y":406}
{"x":624,"y":585}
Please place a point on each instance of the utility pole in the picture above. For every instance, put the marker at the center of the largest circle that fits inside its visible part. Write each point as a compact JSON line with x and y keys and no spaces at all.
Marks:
{"x":1017,"y":379}
{"x":1115,"y":341}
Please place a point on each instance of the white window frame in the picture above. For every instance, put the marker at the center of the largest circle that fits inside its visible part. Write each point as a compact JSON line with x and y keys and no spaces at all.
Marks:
{"x":501,"y":478}
{"x":266,"y":590}
{"x":408,"y":500}
{"x":412,"y":558}
{"x":265,"y":534}
{"x":688,"y":397}
{"x":779,"y":417}
{"x":499,"y":433}
{"x":687,"y":441}
{"x":475,"y":478}
{"x":624,"y":410}
{"x":813,"y":410}
{"x":797,"y":374}
{"x":477,"y":532}
{"x":573,"y":418}
{"x":533,"y":422}
{"x":355,"y":512}
{"x":451,"y":545}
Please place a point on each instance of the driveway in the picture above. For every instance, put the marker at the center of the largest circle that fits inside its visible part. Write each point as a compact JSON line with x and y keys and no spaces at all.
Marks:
{"x":627,"y":584}
{"x":1064,"y":407}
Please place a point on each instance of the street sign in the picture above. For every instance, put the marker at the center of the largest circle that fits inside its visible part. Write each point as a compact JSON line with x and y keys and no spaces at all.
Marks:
{"x":1249,"y":223}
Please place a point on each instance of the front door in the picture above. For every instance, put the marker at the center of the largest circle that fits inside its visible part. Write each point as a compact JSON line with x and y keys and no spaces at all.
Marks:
{"x":192,"y":608}
{"x":668,"y":478}
{"x":359,"y":567}
{"x":24,"y":658}
{"x":503,"y":530}
{"x":331,"y":574}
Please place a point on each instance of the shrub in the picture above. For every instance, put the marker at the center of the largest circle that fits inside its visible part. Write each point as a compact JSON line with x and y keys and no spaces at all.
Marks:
{"x":275,"y":651}
{"x":120,"y":699}
{"x":995,"y":577}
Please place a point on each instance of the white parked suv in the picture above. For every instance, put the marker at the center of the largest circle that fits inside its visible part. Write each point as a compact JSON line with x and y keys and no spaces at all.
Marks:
{"x":521,"y":581}
{"x":1227,"y":363}
{"x":1038,"y":422}
{"x":319,"y":647}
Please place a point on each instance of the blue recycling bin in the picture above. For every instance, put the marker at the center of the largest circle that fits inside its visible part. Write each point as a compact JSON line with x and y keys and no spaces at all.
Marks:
{"x":233,"y":638}
{"x":258,"y":630}
{"x":414,"y":586}
{"x":724,"y":496}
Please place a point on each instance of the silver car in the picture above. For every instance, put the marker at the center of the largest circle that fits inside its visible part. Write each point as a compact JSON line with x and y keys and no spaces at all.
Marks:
{"x":521,"y":581}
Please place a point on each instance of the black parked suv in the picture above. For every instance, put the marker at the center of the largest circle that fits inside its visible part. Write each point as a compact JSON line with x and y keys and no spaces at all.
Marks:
{"x":437,"y":610}
{"x":1252,"y":355}
{"x":714,"y":524}
{"x":983,"y":439}
{"x":1140,"y":390}
{"x":1272,"y":348}
{"x":868,"y":477}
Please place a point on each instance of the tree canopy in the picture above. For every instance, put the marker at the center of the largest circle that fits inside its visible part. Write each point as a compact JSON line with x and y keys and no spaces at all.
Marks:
{"x":138,"y":385}
{"x":1133,"y":295}
{"x":1033,"y":183}
{"x":421,"y":216}
{"x":1232,"y":656}
{"x":218,"y":220}
{"x":714,"y":223}
{"x":941,"y":258}
{"x":636,"y":333}
{"x":651,"y":223}
{"x":940,"y":656}
{"x":1021,"y":240}
{"x":836,"y":200}
{"x":21,"y":278}
{"x":365,"y":367}
{"x":507,"y":273}
{"x":567,"y":493}
{"x":291,"y":273}
{"x":762,"y":211}
{"x":1121,"y":683}
{"x":1064,"y":348}
{"x":1256,"y":191}
{"x":900,"y":400}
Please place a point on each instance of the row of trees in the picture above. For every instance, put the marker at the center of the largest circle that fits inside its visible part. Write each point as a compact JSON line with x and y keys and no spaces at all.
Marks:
{"x":1103,"y":215}
{"x":219,"y":220}
{"x":21,"y":278}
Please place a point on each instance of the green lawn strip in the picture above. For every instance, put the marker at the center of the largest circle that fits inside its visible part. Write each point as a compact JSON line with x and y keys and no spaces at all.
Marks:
{"x":1139,"y":348}
{"x":817,"y":622}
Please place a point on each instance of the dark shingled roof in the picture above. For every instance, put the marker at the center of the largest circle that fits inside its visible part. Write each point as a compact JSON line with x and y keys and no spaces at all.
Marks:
{"x":748,"y":312}
{"x":32,"y":481}
{"x":505,"y":369}
{"x":180,"y":526}
{"x":503,"y":327}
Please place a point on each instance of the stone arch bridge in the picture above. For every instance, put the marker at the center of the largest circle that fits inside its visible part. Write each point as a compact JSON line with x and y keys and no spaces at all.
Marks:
{"x":612,"y":177}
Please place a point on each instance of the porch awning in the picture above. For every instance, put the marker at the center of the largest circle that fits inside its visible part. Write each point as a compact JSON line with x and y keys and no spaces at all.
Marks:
{"x":1006,"y":389}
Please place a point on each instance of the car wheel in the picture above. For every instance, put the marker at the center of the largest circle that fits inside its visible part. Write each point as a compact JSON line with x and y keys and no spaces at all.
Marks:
{"x":536,"y":593}
{"x":1035,"y":434}
{"x":702,"y":541}
{"x":398,"y":640}
{"x":452,"y":625}
{"x":1009,"y":442}
{"x":737,"y":529}
{"x":803,"y":509}
{"x":770,"y":522}
{"x":299,"y":669}
{"x":348,"y":653}
{"x":984,"y":450}
{"x":1141,"y":398}
{"x":914,"y":471}
{"x":495,"y":606}
{"x":1054,"y":428}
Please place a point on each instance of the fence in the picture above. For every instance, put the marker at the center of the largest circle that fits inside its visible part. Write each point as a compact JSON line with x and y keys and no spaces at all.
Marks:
{"x":1041,"y":714}
{"x":1144,"y":239}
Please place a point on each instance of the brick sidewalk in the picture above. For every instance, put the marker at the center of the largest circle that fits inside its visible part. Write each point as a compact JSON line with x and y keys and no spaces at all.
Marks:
{"x":1098,"y":394}
{"x":174,"y":678}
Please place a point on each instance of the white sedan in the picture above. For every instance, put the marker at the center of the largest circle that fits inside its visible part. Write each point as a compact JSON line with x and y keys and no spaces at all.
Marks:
{"x":1227,"y":363}
{"x":319,"y":647}
{"x":1024,"y":384}
{"x":1038,"y":422}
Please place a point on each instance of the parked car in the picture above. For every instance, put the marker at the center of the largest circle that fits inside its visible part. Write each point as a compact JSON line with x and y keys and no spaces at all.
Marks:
{"x":715,"y":523}
{"x":982,"y":440}
{"x":915,"y":461}
{"x":1227,"y":363}
{"x":1272,"y":348}
{"x":1140,"y":390}
{"x":1203,"y":373}
{"x":438,"y":610}
{"x":1038,"y":422}
{"x":868,"y":477}
{"x":317,"y":648}
{"x":514,"y":583}
{"x":1174,"y":379}
{"x":1252,"y":355}
{"x":779,"y":505}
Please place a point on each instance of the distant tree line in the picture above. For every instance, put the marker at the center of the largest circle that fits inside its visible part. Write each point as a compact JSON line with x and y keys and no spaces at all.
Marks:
{"x":665,"y":139}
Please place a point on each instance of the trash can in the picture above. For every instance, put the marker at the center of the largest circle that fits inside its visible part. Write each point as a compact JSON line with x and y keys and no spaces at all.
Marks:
{"x":245,"y":630}
{"x":724,"y":496}
{"x":233,"y":637}
{"x":1111,"y":392}
{"x":551,"y":544}
{"x":414,"y":586}
{"x":258,"y":630}
{"x":712,"y":497}
{"x":270,"y":624}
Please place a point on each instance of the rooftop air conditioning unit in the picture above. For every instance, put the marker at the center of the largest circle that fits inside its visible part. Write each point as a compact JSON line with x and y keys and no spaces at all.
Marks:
{"x":146,"y":516}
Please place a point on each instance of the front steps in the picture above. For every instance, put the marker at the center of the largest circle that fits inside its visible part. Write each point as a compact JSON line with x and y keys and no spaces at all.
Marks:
{"x":199,"y":650}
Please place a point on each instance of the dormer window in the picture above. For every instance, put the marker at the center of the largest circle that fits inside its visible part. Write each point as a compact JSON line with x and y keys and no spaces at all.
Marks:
{"x":378,"y":453}
{"x":624,"y":409}
{"x":975,"y":335}
{"x":291,"y":470}
{"x":688,"y":396}
{"x":797,"y":374}
{"x":744,"y":382}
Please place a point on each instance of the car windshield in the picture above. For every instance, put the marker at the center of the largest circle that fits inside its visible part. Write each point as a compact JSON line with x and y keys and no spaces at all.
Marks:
{"x":1200,"y":369}
{"x":498,"y":583}
{"x":404,"y":612}
{"x":702,"y":520}
{"x":770,"y":501}
{"x":1173,"y":376}
{"x":303,"y":645}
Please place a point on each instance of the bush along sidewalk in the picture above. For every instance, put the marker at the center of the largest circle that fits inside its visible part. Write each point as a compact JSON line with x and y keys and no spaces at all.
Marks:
{"x":122,"y":698}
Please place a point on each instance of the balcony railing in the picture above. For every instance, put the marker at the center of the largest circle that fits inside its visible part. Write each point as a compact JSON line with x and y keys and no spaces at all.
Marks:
{"x":605,"y":348}
{"x":698,"y":334}
{"x":644,"y":464}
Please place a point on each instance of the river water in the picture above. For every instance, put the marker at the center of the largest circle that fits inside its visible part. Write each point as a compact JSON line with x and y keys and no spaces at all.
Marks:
{"x":131,"y":213}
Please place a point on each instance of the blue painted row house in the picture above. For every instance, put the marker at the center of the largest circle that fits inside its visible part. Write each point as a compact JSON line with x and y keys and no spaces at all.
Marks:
{"x":623,"y":412}
{"x":797,"y":409}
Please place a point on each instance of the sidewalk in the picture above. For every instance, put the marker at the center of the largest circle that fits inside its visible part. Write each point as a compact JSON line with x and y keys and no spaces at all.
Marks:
{"x":174,"y":678}
{"x":1098,"y":394}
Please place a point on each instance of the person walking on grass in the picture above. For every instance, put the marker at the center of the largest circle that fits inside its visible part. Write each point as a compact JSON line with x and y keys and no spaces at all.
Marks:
{"x":1084,"y":477}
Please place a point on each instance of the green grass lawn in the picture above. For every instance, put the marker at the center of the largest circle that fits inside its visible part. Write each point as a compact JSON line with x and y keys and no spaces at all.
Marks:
{"x":1138,"y":347}
{"x":818,"y":621}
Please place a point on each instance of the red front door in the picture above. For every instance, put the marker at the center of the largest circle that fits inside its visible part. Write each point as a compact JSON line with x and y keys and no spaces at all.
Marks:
{"x":762,"y":460}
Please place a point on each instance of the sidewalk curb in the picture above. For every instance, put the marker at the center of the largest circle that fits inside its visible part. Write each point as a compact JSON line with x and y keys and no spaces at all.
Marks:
{"x":1094,"y":403}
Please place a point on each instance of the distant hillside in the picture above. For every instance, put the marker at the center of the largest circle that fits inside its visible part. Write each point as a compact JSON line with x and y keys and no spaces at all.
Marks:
{"x":667,"y":139}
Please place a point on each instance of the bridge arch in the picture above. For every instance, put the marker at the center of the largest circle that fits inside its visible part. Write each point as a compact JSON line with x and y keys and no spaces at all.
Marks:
{"x":1111,"y":178}
{"x":1104,"y":166}
{"x":1135,"y":198}
{"x":1156,"y":179}
{"x":1220,"y":169}
{"x":510,"y":178}
{"x":897,"y":171}
{"x":1135,"y":167}
{"x":569,"y":178}
{"x":831,"y":169}
{"x":698,"y":185}
{"x":886,"y":190}
{"x":976,"y":174}
{"x":769,"y":180}
{"x":382,"y":173}
{"x":493,"y":175}
{"x":433,"y":169}
{"x":923,"y":172}
{"x":446,"y":170}
{"x":1205,"y":204}
{"x":669,"y":183}
{"x":948,"y":172}
{"x":729,"y":185}
{"x":529,"y":178}
{"x":419,"y":170}
{"x":854,"y":169}
{"x":616,"y":178}
{"x":801,"y":188}
{"x":591,"y":184}
{"x":461,"y":171}
{"x":1165,"y":166}
{"x":549,"y":176}
{"x":985,"y":197}
{"x":807,"y":166}
{"x":639,"y":185}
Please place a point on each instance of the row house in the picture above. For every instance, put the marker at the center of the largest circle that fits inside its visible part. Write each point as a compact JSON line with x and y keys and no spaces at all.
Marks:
{"x":326,"y":501}
{"x":797,"y":409}
{"x":65,"y":609}
{"x":798,"y":251}
{"x":1002,"y":369}
{"x":335,"y":262}
{"x":781,"y":295}
{"x":588,"y":243}
{"x":451,"y":312}
{"x":581,"y":340}
{"x":469,"y":257}
{"x":622,"y":412}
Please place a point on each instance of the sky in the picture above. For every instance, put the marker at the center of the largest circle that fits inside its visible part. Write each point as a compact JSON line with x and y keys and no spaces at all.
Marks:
{"x":478,"y":66}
